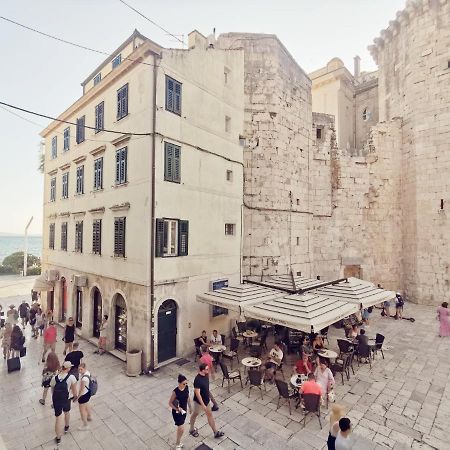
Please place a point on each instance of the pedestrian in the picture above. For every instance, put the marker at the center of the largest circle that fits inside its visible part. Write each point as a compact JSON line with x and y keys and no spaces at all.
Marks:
{"x":337,"y":412}
{"x":6,"y":341}
{"x":49,"y":316}
{"x":399,"y":306}
{"x":2,"y":317}
{"x":343,"y":438}
{"x":179,"y":402}
{"x":24,"y":309}
{"x":84,"y":395}
{"x":17,"y":341}
{"x":39,"y":326}
{"x":201,"y":402}
{"x":75,"y":357}
{"x":69,"y":335}
{"x":41,"y":323}
{"x":50,"y":370}
{"x":49,"y":339}
{"x":12,"y":316}
{"x":103,"y":333}
{"x":386,"y":309}
{"x":208,"y":360}
{"x":443,"y":317}
{"x":365,"y":316}
{"x":32,"y":316}
{"x":324,"y":377}
{"x":64,"y":392}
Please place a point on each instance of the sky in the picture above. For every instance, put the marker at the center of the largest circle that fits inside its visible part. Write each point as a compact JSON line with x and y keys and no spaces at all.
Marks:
{"x":44,"y":75}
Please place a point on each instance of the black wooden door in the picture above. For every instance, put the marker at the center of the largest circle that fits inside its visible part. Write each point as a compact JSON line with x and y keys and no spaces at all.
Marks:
{"x":97,"y":317}
{"x":167,"y":331}
{"x":79,"y":309}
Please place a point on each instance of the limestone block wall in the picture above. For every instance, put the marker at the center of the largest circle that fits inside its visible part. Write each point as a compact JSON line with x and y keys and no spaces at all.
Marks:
{"x":277,"y":127}
{"x":413,"y":55}
{"x":366,"y":112}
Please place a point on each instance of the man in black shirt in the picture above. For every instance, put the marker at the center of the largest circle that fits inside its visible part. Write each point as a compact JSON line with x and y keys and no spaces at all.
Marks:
{"x":201,"y":401}
{"x":75,"y":357}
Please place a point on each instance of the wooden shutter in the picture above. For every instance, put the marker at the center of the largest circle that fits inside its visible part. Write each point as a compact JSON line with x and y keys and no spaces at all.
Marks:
{"x":159,"y":238}
{"x":123,"y":165}
{"x":177,"y":98}
{"x":183,"y":232}
{"x":117,"y":166}
{"x":169,"y":94}
{"x":168,"y":161}
{"x":176,"y":164}
{"x":125,"y":101}
{"x":119,"y":102}
{"x":116,"y":237}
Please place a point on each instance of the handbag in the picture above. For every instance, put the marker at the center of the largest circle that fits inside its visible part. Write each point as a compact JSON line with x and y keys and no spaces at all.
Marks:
{"x":23,"y":352}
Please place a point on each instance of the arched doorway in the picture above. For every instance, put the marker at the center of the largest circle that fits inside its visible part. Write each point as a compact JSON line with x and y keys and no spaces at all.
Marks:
{"x":167,"y":331}
{"x":97,"y":312}
{"x":63,"y":301}
{"x":120,"y":323}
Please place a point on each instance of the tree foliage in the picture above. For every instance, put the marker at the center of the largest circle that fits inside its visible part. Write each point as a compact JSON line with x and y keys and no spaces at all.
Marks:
{"x":15,"y":261}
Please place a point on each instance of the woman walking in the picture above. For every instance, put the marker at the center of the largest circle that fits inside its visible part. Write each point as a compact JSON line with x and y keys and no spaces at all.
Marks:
{"x":443,"y":317}
{"x":50,"y":370}
{"x":84,"y":395}
{"x":69,"y":336}
{"x":17,"y":341}
{"x":179,"y":401}
{"x":337,"y":412}
{"x":6,"y":341}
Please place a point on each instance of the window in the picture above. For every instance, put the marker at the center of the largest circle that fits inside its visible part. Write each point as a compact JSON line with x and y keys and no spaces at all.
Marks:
{"x":80,"y":180}
{"x":79,"y":236}
{"x":229,"y":175}
{"x":218,"y":310}
{"x":298,"y":240}
{"x":51,"y":236}
{"x":173,"y":95}
{"x":230,"y":229}
{"x":172,"y":162}
{"x":365,"y":114}
{"x":119,"y":236}
{"x":121,"y":166}
{"x":80,"y":129}
{"x":97,"y":237}
{"x":227,"y":124}
{"x":66,"y":145}
{"x":171,"y":237}
{"x":64,"y":236}
{"x":122,"y":102}
{"x":53,"y":189}
{"x":226,"y":75}
{"x":318,"y":133}
{"x":98,"y":174}
{"x":65,"y":185}
{"x":97,"y":79}
{"x":99,"y":117}
{"x":54,"y":147}
{"x":116,"y":61}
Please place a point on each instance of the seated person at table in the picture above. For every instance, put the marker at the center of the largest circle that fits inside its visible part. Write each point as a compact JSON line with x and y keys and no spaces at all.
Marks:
{"x":317,"y":343}
{"x":324,"y":376}
{"x":362,"y":338}
{"x":311,"y":386}
{"x":303,"y":366}
{"x":273,"y":361}
{"x":203,"y":338}
{"x":305,"y":346}
{"x":354,"y":332}
{"x":215,"y":338}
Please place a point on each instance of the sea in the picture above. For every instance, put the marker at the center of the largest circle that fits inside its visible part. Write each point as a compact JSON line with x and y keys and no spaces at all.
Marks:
{"x":11,"y":244}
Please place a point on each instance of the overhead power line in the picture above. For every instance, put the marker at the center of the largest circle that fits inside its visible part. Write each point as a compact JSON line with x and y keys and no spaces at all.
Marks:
{"x":71,"y":123}
{"x":152,"y":21}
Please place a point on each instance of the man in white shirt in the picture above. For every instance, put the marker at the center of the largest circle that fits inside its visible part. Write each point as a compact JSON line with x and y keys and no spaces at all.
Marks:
{"x":215,"y":338}
{"x":64,"y":388}
{"x":343,"y":438}
{"x":273,"y":361}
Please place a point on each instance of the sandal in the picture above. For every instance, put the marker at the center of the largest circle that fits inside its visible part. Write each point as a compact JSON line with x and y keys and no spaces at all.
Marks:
{"x":219,"y":434}
{"x":193,"y":432}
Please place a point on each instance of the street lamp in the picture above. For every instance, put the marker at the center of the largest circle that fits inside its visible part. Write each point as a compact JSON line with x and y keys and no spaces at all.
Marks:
{"x":25,"y":251}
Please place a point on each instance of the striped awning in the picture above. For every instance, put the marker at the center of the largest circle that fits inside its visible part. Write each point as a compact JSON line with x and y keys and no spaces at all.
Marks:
{"x":41,"y":284}
{"x":285,"y":282}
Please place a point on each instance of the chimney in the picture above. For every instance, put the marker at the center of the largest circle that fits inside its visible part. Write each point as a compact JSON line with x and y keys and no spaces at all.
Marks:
{"x":356,"y":66}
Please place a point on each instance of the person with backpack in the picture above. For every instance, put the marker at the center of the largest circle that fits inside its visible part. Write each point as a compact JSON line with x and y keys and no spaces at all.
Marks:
{"x":64,"y":387}
{"x":399,"y":302}
{"x":50,"y":370}
{"x":84,"y":395}
{"x":33,"y":320}
{"x":24,"y":309}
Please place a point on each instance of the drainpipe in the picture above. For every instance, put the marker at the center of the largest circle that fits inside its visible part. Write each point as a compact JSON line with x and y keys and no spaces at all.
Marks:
{"x":152,"y":221}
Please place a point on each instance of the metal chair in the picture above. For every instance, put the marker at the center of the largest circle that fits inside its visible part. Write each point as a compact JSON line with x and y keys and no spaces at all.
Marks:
{"x":341,"y":366}
{"x":230,"y":376}
{"x":344,"y":346}
{"x":255,"y":378}
{"x":223,"y":339}
{"x":379,"y":339}
{"x":284,"y":393}
{"x":364,"y":351}
{"x":233,"y":352}
{"x":198,"y":353}
{"x":311,"y":402}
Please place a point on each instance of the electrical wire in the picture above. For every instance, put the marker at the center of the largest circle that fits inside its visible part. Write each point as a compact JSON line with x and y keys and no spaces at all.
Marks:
{"x":71,"y":123}
{"x":152,"y":21}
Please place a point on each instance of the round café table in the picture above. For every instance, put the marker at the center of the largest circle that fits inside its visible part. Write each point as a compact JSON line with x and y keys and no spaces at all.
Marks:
{"x":328,"y":354}
{"x":249,"y":335}
{"x":251,"y":363}
{"x":297,"y":384}
{"x":216,"y":351}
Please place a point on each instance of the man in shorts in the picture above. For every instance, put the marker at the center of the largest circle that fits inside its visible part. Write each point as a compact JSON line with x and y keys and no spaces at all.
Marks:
{"x":201,"y":401}
{"x":207,"y":359}
{"x":50,"y":334}
{"x":64,"y":386}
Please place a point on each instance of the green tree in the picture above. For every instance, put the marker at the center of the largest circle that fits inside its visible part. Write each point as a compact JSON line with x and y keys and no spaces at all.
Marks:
{"x":15,"y":261}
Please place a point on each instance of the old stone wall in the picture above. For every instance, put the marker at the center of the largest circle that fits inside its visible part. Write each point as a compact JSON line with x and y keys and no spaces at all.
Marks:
{"x":277,"y":128}
{"x":413,"y":55}
{"x":366,"y":112}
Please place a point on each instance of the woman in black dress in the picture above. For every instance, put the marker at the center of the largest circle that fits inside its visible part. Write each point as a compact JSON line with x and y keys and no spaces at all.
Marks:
{"x":69,"y":336}
{"x":179,"y":401}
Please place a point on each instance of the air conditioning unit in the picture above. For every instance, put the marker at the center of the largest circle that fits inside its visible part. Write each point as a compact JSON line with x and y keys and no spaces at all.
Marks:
{"x":52,"y":275}
{"x":80,"y":280}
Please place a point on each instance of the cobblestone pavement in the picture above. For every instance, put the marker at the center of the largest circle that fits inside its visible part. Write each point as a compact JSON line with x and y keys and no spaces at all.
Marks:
{"x":402,"y":402}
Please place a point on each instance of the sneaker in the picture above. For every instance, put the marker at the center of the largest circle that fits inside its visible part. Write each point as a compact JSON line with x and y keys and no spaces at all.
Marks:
{"x":219,"y":434}
{"x":179,"y":446}
{"x":66,"y":428}
{"x":83,"y":428}
{"x":57,"y":440}
{"x":215,"y":408}
{"x":89,"y":419}
{"x":43,"y":360}
{"x":42,"y":401}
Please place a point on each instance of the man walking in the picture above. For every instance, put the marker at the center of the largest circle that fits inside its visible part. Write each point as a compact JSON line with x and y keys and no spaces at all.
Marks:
{"x":75,"y":357}
{"x":50,"y":334}
{"x":201,"y":401}
{"x":207,"y":359}
{"x":24,"y":309}
{"x":103,"y":334}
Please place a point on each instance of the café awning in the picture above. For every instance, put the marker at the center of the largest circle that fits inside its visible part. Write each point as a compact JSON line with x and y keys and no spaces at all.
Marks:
{"x":308,"y":312}
{"x":356,"y":291}
{"x":286,"y":282}
{"x":41,"y":284}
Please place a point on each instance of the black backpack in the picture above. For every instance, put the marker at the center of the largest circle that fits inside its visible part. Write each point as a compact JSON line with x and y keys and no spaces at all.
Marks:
{"x":61,"y":390}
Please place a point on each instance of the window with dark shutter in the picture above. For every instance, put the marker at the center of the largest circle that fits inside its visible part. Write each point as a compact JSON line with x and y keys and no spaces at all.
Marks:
{"x":53,"y":189}
{"x":119,"y":236}
{"x":98,"y":174}
{"x":65,"y":185}
{"x":64,"y":236}
{"x":99,"y":117}
{"x":121,"y":166}
{"x":173,"y":95}
{"x":183,"y":232}
{"x":66,"y":145}
{"x":172,"y":162}
{"x":79,"y":236}
{"x":159,"y":237}
{"x":80,"y":180}
{"x":122,"y":102}
{"x":51,"y":237}
{"x":54,"y":147}
{"x":80,"y":130}
{"x":97,"y":236}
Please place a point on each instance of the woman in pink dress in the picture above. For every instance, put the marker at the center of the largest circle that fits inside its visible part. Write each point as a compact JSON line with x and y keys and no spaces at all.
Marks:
{"x":444,"y":323}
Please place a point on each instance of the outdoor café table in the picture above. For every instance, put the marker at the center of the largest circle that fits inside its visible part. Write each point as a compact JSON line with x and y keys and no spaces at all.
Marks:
{"x":249,"y":334}
{"x":294,"y":379}
{"x":328,"y":354}
{"x":251,"y":362}
{"x":216,"y":351}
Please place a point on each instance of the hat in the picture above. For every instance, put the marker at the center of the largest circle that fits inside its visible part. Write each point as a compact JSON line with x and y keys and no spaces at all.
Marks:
{"x":67,"y":365}
{"x":11,"y":306}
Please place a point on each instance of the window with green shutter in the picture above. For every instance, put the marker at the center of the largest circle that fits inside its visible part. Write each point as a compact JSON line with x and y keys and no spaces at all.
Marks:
{"x":172,"y":162}
{"x":173,"y":95}
{"x":97,"y":237}
{"x":171,"y":237}
{"x":119,"y":236}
